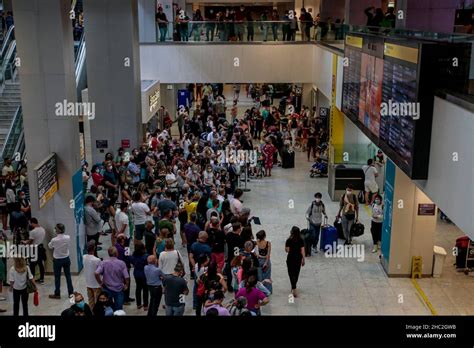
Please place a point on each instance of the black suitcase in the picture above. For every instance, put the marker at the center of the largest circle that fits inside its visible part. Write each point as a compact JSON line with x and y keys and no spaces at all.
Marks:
{"x":340,"y":230}
{"x":288,"y":160}
{"x":307,"y":241}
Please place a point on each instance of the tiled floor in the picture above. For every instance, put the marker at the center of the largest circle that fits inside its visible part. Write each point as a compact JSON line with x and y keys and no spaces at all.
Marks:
{"x":327,"y":286}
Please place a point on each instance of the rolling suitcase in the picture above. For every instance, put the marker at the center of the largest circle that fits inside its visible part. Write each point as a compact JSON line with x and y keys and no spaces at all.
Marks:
{"x":328,"y":237}
{"x":288,"y":160}
{"x":307,"y":241}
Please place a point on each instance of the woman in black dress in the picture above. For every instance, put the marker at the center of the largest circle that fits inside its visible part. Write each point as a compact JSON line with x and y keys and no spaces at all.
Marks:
{"x":294,"y":246}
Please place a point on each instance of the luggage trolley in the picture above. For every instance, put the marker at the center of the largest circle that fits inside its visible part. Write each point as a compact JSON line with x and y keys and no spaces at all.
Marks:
{"x":469,"y":258}
{"x":464,"y":255}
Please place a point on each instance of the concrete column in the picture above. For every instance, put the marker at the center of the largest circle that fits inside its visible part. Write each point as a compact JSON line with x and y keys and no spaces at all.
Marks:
{"x":401,"y":11}
{"x":7,"y":5}
{"x":146,"y":20}
{"x":406,"y":231}
{"x":43,"y":33}
{"x":113,"y":71}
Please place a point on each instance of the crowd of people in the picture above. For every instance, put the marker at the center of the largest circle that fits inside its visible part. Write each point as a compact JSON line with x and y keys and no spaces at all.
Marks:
{"x":239,"y":24}
{"x":183,"y":190}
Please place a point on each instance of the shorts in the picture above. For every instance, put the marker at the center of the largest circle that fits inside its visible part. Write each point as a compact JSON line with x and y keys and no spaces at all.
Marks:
{"x":371,"y":187}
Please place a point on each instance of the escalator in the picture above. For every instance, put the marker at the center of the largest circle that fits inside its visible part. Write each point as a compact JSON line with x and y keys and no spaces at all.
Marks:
{"x":12,"y":140}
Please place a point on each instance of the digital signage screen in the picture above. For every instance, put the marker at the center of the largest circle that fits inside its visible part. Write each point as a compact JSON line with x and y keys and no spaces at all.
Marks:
{"x":351,"y":86}
{"x":370,"y":100}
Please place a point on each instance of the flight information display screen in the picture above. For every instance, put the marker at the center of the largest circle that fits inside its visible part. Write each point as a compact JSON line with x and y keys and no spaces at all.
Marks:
{"x":351,"y":85}
{"x":397,"y":128}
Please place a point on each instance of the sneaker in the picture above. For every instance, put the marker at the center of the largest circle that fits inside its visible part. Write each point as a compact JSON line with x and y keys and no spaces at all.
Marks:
{"x":2,"y":310}
{"x":126,"y":303}
{"x":375,"y":249}
{"x":139,"y":307}
{"x":3,"y":298}
{"x":55,"y":297}
{"x":41,"y":281}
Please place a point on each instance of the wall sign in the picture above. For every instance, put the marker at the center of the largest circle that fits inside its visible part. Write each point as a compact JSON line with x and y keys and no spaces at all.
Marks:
{"x":426,"y":209}
{"x":125,"y":143}
{"x":101,"y":144}
{"x":47,"y":179}
{"x":153,"y":100}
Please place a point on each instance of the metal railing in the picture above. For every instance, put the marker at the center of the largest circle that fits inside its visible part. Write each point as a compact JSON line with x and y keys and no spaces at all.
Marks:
{"x":241,"y":31}
{"x":80,"y":67}
{"x":12,"y":144}
{"x":284,"y":31}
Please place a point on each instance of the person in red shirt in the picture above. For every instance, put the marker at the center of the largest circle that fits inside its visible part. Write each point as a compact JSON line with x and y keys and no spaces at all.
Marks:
{"x":154,"y":141}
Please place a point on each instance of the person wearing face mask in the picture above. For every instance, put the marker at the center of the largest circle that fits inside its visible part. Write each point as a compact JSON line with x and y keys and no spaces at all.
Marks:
{"x":79,"y":308}
{"x":110,"y":181}
{"x":25,"y":204}
{"x":208,"y":176}
{"x":103,"y":307}
{"x":314,"y":215}
{"x":348,"y":212}
{"x":97,"y":177}
{"x":377,"y":221}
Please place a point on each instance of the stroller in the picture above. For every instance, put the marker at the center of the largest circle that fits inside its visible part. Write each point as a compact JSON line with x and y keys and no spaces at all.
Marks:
{"x":319,"y":168}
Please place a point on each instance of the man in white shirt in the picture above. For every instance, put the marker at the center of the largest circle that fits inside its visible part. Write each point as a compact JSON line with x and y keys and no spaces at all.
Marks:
{"x":122,"y":223}
{"x":60,"y":245}
{"x":36,"y":239}
{"x":90,"y":265}
{"x":140,"y":211}
{"x":370,"y":183}
{"x":7,"y":168}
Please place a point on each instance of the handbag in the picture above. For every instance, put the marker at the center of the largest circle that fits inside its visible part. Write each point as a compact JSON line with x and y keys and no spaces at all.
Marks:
{"x":30,"y":286}
{"x":357,"y":229}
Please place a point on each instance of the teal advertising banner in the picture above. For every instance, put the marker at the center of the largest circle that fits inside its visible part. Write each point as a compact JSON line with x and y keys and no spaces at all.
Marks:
{"x":78,"y":205}
{"x":388,"y":209}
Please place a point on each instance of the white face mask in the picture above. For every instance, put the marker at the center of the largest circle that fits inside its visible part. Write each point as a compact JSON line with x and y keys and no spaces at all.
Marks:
{"x":349,"y":192}
{"x":377,"y":201}
{"x":318,"y":200}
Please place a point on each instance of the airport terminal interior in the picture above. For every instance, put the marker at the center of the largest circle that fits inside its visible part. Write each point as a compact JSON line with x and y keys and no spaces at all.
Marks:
{"x":303,"y":157}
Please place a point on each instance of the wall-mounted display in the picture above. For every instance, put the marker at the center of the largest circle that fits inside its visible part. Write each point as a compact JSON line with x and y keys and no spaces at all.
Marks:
{"x":388,"y":92}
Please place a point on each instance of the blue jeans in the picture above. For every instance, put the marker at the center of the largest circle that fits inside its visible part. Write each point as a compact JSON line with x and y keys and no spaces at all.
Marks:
{"x":58,"y":265}
{"x":163,"y":32}
{"x":314,"y":231}
{"x":117,"y":296}
{"x":265,"y":274}
{"x":174,"y":311}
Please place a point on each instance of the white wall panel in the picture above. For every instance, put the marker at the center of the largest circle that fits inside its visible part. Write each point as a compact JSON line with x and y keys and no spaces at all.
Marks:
{"x":215,"y":63}
{"x":450,"y":183}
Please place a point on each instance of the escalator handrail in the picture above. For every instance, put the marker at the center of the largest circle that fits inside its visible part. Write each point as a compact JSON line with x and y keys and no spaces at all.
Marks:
{"x":10,"y":131}
{"x":80,"y":60}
